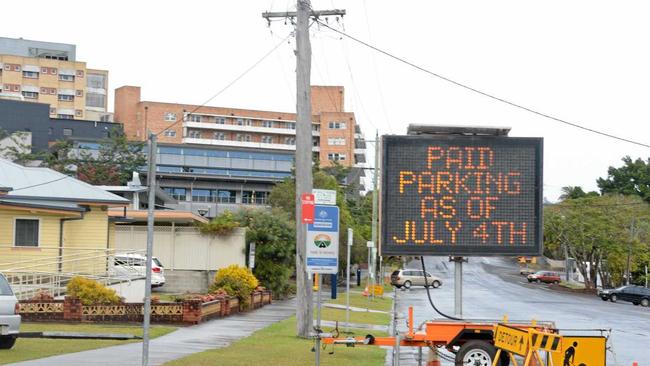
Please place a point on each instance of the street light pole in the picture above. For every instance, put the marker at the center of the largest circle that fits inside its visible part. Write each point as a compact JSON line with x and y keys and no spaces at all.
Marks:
{"x":150,"y":222}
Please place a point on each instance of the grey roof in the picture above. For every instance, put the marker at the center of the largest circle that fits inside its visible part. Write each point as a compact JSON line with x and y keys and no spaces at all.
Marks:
{"x":56,"y":205}
{"x":47,"y":184}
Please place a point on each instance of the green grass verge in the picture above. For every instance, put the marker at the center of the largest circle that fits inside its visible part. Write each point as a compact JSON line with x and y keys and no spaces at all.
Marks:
{"x":573,"y":285}
{"x":278,"y":345}
{"x":355,"y":317}
{"x":33,"y":348}
{"x":357,"y":300}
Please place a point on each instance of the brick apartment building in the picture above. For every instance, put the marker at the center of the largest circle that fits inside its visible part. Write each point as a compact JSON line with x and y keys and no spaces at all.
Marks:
{"x":48,"y":72}
{"x":216,"y":157}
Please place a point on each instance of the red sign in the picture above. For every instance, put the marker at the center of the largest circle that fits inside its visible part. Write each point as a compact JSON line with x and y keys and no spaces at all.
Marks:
{"x":307,"y":200}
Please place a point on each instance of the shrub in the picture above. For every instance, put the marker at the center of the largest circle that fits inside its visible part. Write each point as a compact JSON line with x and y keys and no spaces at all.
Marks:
{"x":223,"y":224}
{"x":275,"y":248}
{"x":237,"y":281}
{"x":91,"y":292}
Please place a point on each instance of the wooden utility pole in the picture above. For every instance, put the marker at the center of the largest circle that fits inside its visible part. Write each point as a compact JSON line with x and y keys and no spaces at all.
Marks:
{"x":303,"y":157}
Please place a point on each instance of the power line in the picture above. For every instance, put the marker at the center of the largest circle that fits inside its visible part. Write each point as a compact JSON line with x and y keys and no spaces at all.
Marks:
{"x":486,"y":94}
{"x":41,"y":184}
{"x":184,"y":119}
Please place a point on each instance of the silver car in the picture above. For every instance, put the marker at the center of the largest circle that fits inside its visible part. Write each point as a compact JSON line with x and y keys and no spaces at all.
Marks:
{"x":9,"y":318}
{"x":413,"y":277}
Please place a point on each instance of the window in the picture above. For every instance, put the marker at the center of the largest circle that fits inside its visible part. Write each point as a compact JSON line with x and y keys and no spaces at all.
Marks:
{"x":337,"y":125}
{"x":221,"y":120}
{"x":26,"y":232}
{"x":247,"y":197}
{"x":53,"y":70}
{"x":5,"y":289}
{"x":30,"y":74}
{"x":219,"y":136}
{"x":95,"y":100}
{"x":336,"y":141}
{"x":195,"y":118}
{"x":64,"y":116}
{"x":80,"y":73}
{"x":66,"y":98}
{"x":195,"y":134}
{"x":336,"y":156}
{"x":12,"y":67}
{"x":30,"y":95}
{"x":79,"y":93}
{"x":96,"y":81}
{"x":170,"y":117}
{"x":63,"y":77}
{"x":248,"y":122}
{"x":52,"y":110}
{"x":176,"y":193}
{"x":289,"y":140}
{"x":80,"y":113}
{"x":267,"y":124}
{"x":15,"y":87}
{"x":260,"y":198}
{"x":240,"y":122}
{"x":170,"y":133}
{"x":267,"y":139}
{"x":44,"y":70}
{"x":243,"y":138}
{"x":291,"y":125}
{"x":225,"y":196}
{"x":51,"y":91}
{"x":204,"y":195}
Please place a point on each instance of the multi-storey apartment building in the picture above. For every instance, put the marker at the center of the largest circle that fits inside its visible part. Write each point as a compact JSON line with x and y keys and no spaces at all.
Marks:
{"x":49,"y":73}
{"x":213,"y":158}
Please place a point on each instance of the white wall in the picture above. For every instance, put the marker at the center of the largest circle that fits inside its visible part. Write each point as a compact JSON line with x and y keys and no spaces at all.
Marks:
{"x":185,"y":248}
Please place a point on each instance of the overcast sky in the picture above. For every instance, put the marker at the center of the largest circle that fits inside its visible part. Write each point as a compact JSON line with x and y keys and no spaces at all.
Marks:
{"x":584,"y":61}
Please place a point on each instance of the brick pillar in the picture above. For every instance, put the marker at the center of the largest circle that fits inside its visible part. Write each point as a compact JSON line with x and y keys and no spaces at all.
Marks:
{"x":72,"y":309}
{"x":192,"y":311}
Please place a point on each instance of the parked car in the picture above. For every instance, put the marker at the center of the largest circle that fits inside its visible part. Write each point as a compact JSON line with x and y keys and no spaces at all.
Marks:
{"x":413,"y":277}
{"x":525,"y":271}
{"x":545,"y":276}
{"x":637,"y":295}
{"x":134,"y":266}
{"x":9,"y":318}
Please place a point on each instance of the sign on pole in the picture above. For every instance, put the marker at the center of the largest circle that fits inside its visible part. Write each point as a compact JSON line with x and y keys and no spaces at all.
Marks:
{"x":307,"y":201}
{"x":324,"y":197}
{"x":461,"y":195}
{"x":323,"y":240}
{"x":511,"y":339}
{"x":251,"y":255}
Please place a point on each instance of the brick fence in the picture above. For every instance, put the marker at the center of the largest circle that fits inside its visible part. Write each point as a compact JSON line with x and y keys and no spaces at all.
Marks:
{"x":190,"y":311}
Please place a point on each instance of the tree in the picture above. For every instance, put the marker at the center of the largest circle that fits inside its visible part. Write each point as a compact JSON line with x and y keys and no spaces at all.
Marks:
{"x":633,"y":178}
{"x":274,"y":236}
{"x":283,"y":197}
{"x":597,"y":231}
{"x":113,"y":164}
{"x":573,"y":192}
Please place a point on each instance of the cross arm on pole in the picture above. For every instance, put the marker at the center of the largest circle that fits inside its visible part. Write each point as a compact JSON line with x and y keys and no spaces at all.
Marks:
{"x":268,"y":15}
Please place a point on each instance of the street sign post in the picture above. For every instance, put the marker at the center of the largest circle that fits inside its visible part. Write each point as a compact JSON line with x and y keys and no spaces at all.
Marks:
{"x":323,"y":240}
{"x":307,"y":201}
{"x":324,"y":197}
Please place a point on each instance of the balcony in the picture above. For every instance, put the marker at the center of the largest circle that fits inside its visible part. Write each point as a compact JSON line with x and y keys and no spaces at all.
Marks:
{"x":238,"y":128}
{"x":255,"y":145}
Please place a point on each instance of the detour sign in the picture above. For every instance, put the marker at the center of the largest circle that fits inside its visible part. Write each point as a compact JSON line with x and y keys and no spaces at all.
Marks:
{"x":461,"y":195}
{"x":511,"y":339}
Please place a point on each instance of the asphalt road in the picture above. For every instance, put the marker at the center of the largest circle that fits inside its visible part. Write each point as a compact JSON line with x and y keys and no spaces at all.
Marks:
{"x":493,"y":288}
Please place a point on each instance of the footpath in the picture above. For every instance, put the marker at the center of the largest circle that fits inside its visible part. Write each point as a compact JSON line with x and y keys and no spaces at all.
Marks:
{"x":212,"y":334}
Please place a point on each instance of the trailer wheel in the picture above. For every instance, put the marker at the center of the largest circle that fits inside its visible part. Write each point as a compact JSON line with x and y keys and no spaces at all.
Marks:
{"x":478,"y":353}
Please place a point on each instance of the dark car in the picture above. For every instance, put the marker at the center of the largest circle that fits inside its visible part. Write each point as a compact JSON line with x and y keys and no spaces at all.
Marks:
{"x":637,"y":295}
{"x":544,"y":276}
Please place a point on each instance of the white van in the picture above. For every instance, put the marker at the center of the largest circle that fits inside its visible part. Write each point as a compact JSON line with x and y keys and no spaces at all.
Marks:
{"x":134,"y":266}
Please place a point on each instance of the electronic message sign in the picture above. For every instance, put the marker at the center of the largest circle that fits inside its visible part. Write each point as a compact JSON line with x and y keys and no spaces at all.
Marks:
{"x":461,"y":195}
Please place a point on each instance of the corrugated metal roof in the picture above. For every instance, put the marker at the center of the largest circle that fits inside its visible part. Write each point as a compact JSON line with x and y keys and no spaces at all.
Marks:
{"x":55,"y":205}
{"x":47,"y":184}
